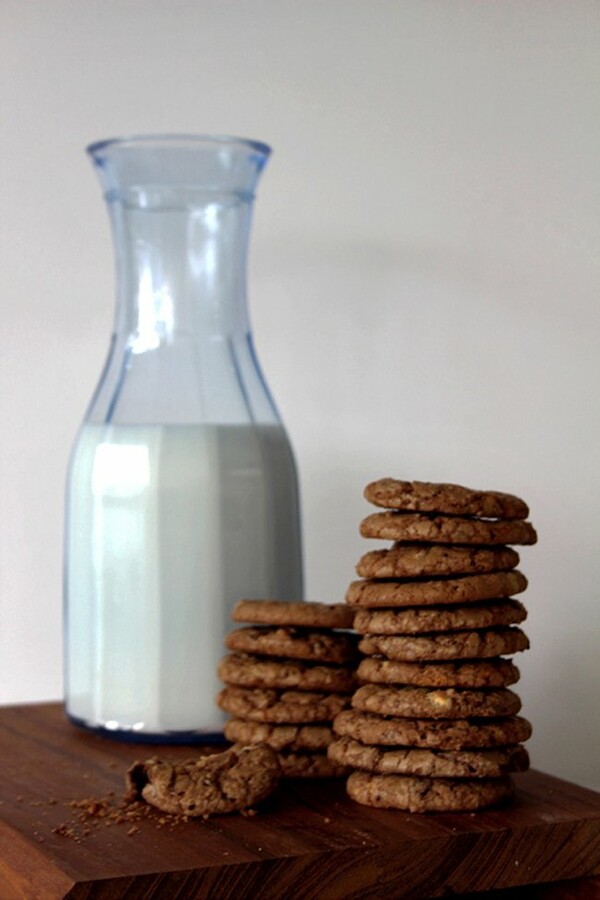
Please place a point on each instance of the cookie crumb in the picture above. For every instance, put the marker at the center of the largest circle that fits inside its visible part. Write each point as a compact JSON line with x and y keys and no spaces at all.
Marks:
{"x":89,"y":813}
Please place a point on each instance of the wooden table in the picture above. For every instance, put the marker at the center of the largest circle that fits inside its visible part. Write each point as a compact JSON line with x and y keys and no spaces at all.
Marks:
{"x":308,"y":841}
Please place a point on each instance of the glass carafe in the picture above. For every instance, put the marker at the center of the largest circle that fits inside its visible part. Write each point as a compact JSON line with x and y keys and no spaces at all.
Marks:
{"x":182,"y":494}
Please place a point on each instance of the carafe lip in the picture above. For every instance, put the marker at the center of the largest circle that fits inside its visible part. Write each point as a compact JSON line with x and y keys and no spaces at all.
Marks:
{"x":171,"y":141}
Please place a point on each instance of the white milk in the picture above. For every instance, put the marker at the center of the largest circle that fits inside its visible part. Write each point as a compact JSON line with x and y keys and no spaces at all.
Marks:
{"x":168,"y":527}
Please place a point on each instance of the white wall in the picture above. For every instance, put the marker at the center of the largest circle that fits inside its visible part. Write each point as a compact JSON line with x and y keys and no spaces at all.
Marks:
{"x":423,"y":284}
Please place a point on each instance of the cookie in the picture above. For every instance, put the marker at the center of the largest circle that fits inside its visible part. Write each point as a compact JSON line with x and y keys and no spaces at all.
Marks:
{"x":298,"y":613}
{"x":288,"y":707}
{"x":452,"y":499}
{"x":296,"y":643}
{"x":310,"y":765}
{"x":462,"y":589}
{"x":486,"y":673}
{"x":420,"y":795}
{"x":446,"y":645}
{"x":279,"y":737}
{"x":236,"y":779}
{"x":439,"y":618}
{"x":433,"y":529}
{"x":435,"y":703}
{"x":246,"y":670}
{"x":346,"y":751}
{"x":441,"y":734}
{"x":416,"y":560}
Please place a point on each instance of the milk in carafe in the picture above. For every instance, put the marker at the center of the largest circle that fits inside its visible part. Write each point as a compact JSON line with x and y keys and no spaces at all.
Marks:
{"x":168,"y":526}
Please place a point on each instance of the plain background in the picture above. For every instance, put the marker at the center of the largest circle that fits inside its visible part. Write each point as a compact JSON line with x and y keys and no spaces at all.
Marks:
{"x":423,"y":282}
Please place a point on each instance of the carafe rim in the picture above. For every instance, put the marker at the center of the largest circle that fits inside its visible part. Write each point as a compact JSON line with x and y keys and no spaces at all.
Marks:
{"x":171,"y":141}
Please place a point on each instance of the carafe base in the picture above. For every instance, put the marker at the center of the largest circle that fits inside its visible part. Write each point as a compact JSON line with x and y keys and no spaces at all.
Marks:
{"x":131,"y":736}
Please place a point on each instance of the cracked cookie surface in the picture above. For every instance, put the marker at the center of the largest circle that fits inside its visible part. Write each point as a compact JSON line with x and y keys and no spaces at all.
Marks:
{"x":442,"y":734}
{"x":452,"y":499}
{"x":420,"y":795}
{"x":310,"y":765}
{"x":435,"y":591}
{"x":279,"y":737}
{"x":281,"y":707}
{"x":495,"y":672}
{"x":449,"y":618}
{"x":435,"y":703}
{"x":437,"y":763}
{"x":434,"y":529}
{"x":247,"y":670}
{"x":446,"y":644}
{"x":296,"y":643}
{"x":416,"y":561}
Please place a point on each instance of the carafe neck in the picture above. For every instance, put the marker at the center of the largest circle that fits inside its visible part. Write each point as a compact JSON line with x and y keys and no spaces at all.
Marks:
{"x":182,"y":350}
{"x":180,"y":210}
{"x":181,"y":264}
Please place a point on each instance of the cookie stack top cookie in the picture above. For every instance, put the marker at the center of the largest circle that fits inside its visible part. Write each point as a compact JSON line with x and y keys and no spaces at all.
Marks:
{"x":291,"y":671}
{"x":452,"y":499}
{"x":436,"y":617}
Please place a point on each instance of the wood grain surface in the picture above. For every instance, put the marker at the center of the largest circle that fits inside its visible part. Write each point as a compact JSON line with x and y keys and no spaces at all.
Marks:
{"x":308,"y":841}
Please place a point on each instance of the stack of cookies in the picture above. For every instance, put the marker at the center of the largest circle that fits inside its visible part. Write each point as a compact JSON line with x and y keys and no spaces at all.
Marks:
{"x":434,"y":725}
{"x":291,"y":670}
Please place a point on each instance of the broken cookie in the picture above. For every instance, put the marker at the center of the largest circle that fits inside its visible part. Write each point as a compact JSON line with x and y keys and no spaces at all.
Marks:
{"x":224,"y":782}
